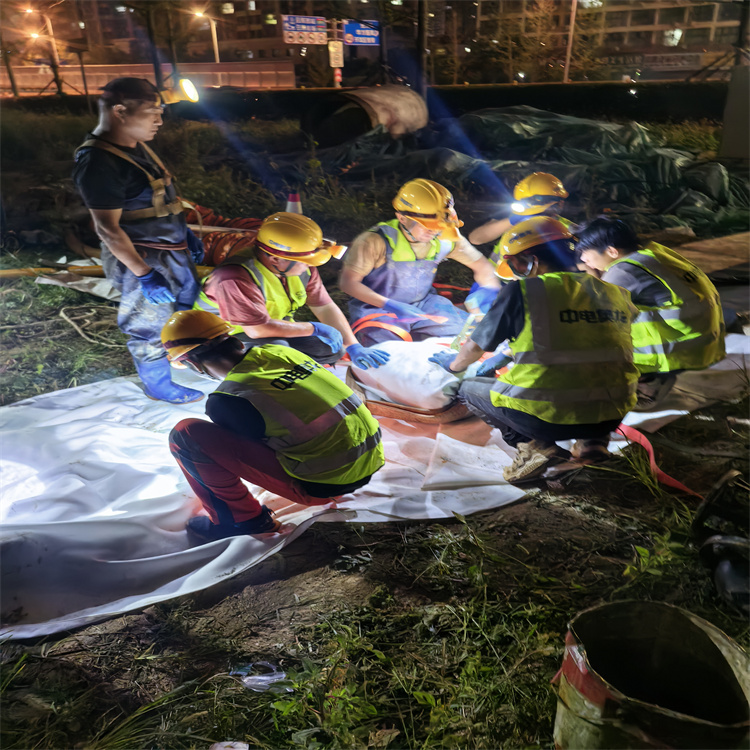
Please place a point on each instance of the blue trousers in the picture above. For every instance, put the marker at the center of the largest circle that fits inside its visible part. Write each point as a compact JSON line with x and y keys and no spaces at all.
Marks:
{"x":141,"y":321}
{"x":432,"y":304}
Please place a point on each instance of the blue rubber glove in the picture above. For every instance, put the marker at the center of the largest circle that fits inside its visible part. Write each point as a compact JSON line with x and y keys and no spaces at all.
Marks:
{"x":481,"y":298}
{"x":365,"y":358}
{"x":155,"y":288}
{"x":195,"y":248}
{"x":445,"y":360}
{"x":488,"y":367}
{"x":403,"y":310}
{"x":328,"y":335}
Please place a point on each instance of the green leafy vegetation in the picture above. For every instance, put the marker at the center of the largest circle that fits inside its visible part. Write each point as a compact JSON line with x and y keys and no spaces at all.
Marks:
{"x":700,"y":136}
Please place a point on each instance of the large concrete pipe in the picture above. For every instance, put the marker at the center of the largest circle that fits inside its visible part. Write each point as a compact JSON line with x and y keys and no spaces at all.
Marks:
{"x":347,"y":114}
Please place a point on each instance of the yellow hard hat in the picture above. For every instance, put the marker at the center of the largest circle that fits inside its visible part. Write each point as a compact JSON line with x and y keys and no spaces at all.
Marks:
{"x":536,"y":193}
{"x":188,"y":329}
{"x":536,"y":230}
{"x":296,"y":237}
{"x":431,"y":205}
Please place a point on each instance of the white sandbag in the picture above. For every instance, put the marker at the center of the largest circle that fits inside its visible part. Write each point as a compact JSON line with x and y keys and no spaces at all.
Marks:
{"x":409,"y":378}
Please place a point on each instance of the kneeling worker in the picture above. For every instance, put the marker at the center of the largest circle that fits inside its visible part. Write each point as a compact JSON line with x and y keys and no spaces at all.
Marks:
{"x":572,"y":375}
{"x":278,"y":420}
{"x":259,"y":291}
{"x":680,"y":325}
{"x":538,"y":194}
{"x":389,"y":269}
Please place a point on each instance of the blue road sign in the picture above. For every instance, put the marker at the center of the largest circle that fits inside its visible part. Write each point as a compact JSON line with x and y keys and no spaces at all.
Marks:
{"x":359,"y":33}
{"x":304,"y":29}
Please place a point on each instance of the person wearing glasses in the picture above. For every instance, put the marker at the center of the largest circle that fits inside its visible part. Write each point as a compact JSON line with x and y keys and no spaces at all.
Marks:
{"x":259,"y":290}
{"x":390,"y":269}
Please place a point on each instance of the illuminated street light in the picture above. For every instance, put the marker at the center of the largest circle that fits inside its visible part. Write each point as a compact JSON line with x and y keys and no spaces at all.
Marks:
{"x":214,"y":38}
{"x":54,"y":57}
{"x":522,"y":75}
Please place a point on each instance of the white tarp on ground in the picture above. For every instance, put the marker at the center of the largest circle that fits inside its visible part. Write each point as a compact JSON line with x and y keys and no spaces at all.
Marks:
{"x":93,"y":506}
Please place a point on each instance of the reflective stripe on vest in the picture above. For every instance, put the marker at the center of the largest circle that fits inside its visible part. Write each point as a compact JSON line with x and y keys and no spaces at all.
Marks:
{"x":497,"y":254}
{"x":279,"y":304}
{"x":573,"y":359}
{"x":159,"y":205}
{"x":401,"y":250}
{"x":319,"y":429}
{"x":688,"y":332}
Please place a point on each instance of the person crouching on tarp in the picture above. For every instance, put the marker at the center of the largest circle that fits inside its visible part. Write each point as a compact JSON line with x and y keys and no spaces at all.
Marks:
{"x":573,"y":375}
{"x":680,"y":325}
{"x":260,"y":290}
{"x":278,"y":420}
{"x":389,"y":269}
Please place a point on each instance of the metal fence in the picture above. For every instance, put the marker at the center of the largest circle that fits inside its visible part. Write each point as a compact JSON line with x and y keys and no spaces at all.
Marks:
{"x":36,"y":79}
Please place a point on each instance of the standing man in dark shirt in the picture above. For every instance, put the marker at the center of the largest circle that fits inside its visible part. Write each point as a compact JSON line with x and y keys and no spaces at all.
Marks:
{"x":148,"y":251}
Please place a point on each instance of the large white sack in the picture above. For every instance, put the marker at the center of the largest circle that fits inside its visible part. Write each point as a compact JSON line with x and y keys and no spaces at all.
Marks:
{"x":408,"y":378}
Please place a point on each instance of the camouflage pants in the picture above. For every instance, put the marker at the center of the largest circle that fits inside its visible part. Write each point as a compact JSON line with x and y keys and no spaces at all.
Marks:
{"x":140,"y":319}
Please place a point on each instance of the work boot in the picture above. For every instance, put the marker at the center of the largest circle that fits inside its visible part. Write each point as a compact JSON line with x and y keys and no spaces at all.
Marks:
{"x":156,"y":377}
{"x":205,"y":531}
{"x":590,"y":451}
{"x":652,"y":390}
{"x":532,"y":459}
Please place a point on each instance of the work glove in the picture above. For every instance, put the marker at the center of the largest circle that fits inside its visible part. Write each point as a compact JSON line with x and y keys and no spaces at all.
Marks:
{"x":495,"y":362}
{"x":195,"y":248}
{"x":445,"y":360}
{"x":402,"y":310}
{"x":328,"y":335}
{"x":365,"y":358}
{"x":155,"y":288}
{"x":481,"y":298}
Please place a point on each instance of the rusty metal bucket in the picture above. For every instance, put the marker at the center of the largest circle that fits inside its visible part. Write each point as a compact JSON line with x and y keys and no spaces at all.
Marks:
{"x":650,"y":675}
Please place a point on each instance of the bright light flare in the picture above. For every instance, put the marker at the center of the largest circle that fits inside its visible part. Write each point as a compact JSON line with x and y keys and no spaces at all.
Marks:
{"x":188,"y":88}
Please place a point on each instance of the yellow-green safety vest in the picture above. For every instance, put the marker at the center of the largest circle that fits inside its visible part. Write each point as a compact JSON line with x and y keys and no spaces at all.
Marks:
{"x":320,"y":430}
{"x":402,"y":250}
{"x":280,"y":305}
{"x":497,"y":254}
{"x":688,"y":332}
{"x":573,"y":359}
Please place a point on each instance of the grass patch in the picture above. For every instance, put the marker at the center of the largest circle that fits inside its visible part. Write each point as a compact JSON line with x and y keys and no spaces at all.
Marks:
{"x":455,"y":646}
{"x":41,"y":350}
{"x":690,"y":135}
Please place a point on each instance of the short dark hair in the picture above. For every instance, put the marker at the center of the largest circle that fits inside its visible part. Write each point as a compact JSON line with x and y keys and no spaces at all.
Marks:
{"x":213,"y":352}
{"x":126,"y":90}
{"x":559,"y":255}
{"x":605,"y":232}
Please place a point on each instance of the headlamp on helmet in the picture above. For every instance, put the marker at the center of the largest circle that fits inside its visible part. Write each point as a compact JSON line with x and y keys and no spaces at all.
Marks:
{"x":536,"y":193}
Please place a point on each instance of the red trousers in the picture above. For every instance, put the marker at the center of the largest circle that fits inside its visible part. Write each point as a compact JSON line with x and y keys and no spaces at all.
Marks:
{"x":214,"y":460}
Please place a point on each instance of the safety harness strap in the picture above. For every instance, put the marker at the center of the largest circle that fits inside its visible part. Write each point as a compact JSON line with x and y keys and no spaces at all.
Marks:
{"x":159,"y":207}
{"x":371,"y":321}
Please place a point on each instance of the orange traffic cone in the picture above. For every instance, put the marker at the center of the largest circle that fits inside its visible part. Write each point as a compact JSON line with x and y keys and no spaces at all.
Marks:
{"x":293,"y":204}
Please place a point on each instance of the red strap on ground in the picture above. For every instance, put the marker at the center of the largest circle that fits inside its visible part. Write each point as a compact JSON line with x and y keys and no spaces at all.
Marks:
{"x":450,"y":286}
{"x":638,"y":437}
